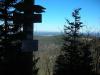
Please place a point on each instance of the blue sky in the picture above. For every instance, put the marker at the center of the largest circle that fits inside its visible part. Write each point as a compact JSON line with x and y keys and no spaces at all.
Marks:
{"x":57,"y":10}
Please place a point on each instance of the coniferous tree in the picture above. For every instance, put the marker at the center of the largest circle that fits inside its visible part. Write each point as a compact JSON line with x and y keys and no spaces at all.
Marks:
{"x":76,"y":56}
{"x":9,"y":42}
{"x":15,"y":14}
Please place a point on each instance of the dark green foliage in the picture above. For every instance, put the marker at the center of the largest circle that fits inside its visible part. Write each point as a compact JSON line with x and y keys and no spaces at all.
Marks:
{"x":75,"y":58}
{"x":9,"y":43}
{"x":87,"y":60}
{"x":12,"y":60}
{"x":35,"y":69}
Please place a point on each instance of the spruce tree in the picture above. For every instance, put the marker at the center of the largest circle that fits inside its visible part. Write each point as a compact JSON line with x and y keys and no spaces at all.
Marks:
{"x":75,"y":57}
{"x":13,"y":61}
{"x":9,"y":41}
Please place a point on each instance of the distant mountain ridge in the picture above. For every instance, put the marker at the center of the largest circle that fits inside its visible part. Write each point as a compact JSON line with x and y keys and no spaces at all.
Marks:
{"x":97,"y":34}
{"x":47,"y":33}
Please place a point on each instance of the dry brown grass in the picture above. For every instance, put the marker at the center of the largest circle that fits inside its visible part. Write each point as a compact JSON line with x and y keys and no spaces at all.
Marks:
{"x":48,"y":51}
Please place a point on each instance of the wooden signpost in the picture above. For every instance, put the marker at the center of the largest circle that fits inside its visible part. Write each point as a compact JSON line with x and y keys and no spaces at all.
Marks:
{"x":31,"y":16}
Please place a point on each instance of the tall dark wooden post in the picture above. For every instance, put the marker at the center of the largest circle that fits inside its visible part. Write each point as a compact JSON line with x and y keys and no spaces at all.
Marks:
{"x":29,"y":45}
{"x":28,"y":25}
{"x":25,"y":58}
